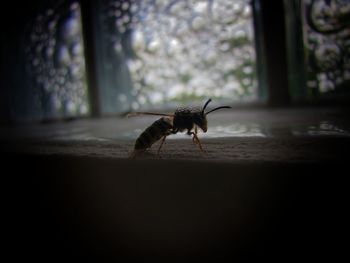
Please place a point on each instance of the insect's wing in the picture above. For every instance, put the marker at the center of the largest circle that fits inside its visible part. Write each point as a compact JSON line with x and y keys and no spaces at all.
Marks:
{"x":139,"y":113}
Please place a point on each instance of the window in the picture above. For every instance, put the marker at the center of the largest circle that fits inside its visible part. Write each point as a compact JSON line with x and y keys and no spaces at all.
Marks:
{"x":77,"y":58}
{"x":318,"y":49}
{"x":327,"y":34}
{"x":157,"y":54}
{"x":55,"y":64}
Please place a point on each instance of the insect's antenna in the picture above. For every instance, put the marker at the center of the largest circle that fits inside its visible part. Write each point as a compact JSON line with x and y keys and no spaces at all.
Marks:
{"x":221,"y":107}
{"x":205,"y":105}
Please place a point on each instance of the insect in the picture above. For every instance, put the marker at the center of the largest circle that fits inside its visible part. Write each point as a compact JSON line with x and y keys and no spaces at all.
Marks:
{"x":184,"y":119}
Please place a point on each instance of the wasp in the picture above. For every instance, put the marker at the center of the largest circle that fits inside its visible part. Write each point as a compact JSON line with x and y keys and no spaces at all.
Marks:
{"x":184,"y":119}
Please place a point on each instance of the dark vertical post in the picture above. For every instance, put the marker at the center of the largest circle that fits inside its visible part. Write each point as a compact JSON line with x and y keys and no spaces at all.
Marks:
{"x":88,"y":16}
{"x":16,"y":104}
{"x":260,"y":51}
{"x":274,"y":42}
{"x":295,"y":48}
{"x":6,"y":47}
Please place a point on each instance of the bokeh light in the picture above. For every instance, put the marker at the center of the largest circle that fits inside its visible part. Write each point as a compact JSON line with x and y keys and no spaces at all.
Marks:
{"x":55,"y":62}
{"x":187,"y":51}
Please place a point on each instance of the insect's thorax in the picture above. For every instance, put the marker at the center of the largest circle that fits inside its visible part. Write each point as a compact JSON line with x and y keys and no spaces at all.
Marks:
{"x":185,"y":118}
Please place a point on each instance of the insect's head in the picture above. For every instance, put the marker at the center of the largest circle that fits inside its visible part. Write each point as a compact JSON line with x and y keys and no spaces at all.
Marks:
{"x":200,"y":118}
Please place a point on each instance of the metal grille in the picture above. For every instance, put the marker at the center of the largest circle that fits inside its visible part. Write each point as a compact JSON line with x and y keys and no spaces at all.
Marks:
{"x":327,"y":41}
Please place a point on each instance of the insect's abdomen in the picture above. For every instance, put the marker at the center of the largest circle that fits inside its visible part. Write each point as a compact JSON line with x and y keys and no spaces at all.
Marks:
{"x":153,"y":133}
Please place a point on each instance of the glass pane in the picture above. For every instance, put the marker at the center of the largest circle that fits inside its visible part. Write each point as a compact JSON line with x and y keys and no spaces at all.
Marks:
{"x":327,"y":34}
{"x":181,"y":52}
{"x":55,"y":63}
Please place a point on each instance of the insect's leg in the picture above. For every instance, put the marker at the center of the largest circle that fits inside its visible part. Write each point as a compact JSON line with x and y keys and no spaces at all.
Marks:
{"x":161,"y":144}
{"x":174,"y":131}
{"x":195,"y":137}
{"x":195,"y":132}
{"x":199,"y":143}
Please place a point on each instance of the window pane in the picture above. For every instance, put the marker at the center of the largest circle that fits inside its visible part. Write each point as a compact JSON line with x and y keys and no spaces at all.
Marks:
{"x":327,"y":34}
{"x":181,"y":52}
{"x":55,"y":64}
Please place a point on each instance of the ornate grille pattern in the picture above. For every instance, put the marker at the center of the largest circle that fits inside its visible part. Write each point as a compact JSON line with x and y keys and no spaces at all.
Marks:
{"x":327,"y":40}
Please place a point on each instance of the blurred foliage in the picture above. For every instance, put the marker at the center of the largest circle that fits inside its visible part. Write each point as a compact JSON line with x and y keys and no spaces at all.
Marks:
{"x":187,"y":51}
